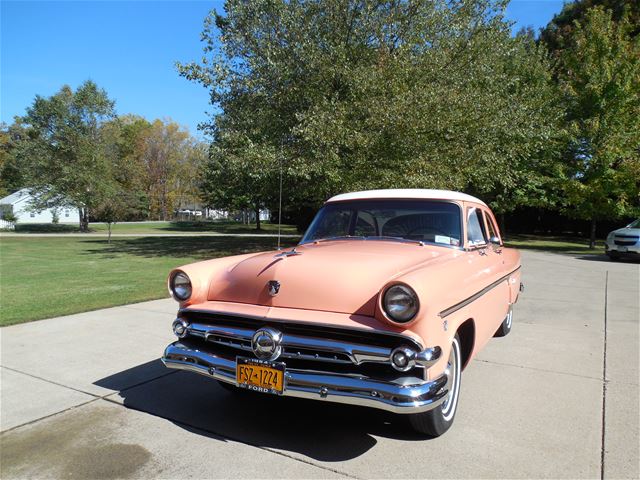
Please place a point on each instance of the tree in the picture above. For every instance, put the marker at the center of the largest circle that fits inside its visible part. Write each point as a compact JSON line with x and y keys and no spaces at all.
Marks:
{"x":63,"y":156}
{"x":240,"y":175}
{"x":11,"y":176}
{"x":172,"y":160}
{"x":558,"y":34}
{"x":599,"y":75}
{"x":361,"y":94}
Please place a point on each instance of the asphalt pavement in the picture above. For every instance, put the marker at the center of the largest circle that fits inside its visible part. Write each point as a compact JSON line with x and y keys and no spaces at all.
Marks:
{"x":86,"y":396}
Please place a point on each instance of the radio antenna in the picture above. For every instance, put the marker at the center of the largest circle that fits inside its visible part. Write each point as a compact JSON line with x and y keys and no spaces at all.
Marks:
{"x":280,"y":204}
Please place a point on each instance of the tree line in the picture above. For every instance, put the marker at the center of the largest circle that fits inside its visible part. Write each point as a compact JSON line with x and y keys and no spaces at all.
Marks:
{"x":339,"y":95}
{"x":72,"y":150}
{"x":327,"y":96}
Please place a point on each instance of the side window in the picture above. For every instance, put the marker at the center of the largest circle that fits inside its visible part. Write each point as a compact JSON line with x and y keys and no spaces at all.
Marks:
{"x":492,"y":230}
{"x":475,"y":228}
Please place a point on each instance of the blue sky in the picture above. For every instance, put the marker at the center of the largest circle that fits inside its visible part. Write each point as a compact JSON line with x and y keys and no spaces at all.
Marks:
{"x":128,"y":48}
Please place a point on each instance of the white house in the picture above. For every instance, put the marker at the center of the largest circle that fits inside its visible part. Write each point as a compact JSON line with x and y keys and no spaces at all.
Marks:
{"x":20,"y":204}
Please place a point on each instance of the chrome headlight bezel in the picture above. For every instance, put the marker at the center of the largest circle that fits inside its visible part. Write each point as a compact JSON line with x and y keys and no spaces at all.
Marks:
{"x":180,"y":286}
{"x":394,"y":295}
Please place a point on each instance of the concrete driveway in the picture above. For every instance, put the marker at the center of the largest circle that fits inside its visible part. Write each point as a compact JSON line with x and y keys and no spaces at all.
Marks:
{"x":85,"y":396}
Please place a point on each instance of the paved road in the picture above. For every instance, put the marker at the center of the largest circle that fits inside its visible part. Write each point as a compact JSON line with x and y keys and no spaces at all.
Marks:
{"x":85,"y":396}
{"x":126,"y":235}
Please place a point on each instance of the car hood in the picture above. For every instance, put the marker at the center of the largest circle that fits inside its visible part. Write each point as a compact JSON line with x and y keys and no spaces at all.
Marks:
{"x":627,"y":231}
{"x":335,"y":276}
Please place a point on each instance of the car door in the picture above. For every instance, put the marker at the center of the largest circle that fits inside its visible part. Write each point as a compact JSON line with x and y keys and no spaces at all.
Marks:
{"x":491,"y":295}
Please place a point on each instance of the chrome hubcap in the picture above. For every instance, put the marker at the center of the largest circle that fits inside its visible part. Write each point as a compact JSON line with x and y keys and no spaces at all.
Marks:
{"x":509,"y":318}
{"x":453,"y":372}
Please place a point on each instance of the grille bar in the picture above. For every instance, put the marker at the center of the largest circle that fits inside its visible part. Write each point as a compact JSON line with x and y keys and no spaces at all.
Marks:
{"x":295,"y":346}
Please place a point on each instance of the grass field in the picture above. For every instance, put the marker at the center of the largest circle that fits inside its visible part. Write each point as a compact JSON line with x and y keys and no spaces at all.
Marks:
{"x":161,"y":227}
{"x":47,"y":277}
{"x":567,"y":245}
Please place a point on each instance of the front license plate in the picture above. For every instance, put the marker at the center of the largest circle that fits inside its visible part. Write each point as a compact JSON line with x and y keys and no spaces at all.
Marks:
{"x":260,"y":375}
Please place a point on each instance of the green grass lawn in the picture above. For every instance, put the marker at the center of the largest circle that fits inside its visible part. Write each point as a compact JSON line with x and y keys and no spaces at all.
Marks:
{"x":161,"y":227}
{"x":567,"y":245}
{"x":47,"y":277}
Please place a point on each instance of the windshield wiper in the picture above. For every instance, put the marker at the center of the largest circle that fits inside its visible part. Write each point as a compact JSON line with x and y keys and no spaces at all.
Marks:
{"x":339,"y":237}
{"x":396,"y":239}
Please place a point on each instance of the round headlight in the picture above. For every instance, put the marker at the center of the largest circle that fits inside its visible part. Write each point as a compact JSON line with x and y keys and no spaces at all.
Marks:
{"x":400,"y":303}
{"x":180,"y":286}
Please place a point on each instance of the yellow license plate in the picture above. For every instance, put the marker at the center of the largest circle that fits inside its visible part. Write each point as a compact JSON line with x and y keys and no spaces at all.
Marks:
{"x":260,"y":375}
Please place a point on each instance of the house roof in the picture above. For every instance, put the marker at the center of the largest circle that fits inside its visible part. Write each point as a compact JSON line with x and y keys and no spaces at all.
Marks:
{"x":413,"y":193}
{"x":16,"y":197}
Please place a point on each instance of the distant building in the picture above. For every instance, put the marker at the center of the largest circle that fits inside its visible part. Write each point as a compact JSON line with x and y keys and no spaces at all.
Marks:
{"x":19,"y":203}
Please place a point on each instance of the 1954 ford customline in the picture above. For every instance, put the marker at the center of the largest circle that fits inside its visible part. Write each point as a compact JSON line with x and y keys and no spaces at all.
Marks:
{"x":383,"y":303}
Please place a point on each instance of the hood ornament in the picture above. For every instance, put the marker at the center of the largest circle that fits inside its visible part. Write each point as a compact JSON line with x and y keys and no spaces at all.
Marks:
{"x":274,"y":287}
{"x":289,"y":253}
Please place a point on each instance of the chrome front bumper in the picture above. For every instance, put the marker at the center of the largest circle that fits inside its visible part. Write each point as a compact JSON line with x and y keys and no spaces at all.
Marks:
{"x":339,"y":388}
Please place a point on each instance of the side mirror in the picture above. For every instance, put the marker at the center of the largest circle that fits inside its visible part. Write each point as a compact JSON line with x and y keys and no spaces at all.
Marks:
{"x":495,"y":240}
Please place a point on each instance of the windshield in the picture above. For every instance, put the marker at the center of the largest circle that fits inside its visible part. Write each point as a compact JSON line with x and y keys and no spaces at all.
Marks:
{"x":635,"y":224}
{"x":418,"y":220}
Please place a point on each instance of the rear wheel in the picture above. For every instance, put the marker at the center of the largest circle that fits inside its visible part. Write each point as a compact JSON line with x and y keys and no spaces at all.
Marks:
{"x":505,"y":326}
{"x":613,"y":255}
{"x":438,"y":420}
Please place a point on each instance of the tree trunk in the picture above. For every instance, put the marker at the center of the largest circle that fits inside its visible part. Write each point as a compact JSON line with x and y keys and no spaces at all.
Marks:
{"x":109,"y":237}
{"x":257,"y":218}
{"x":84,"y":219}
{"x":592,"y":236}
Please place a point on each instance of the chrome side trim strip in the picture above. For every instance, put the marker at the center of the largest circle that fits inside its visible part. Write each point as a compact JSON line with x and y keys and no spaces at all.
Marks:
{"x":454,"y":308}
{"x":331,"y":387}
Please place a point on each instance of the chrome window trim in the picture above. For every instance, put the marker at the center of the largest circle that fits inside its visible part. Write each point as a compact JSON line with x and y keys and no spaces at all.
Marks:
{"x":454,"y":308}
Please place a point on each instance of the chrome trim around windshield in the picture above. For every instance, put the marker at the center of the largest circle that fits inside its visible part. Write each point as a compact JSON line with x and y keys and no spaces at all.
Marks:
{"x":454,"y":308}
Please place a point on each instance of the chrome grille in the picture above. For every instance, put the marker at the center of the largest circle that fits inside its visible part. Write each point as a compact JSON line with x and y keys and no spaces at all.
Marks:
{"x":317,"y":347}
{"x":626,"y":240}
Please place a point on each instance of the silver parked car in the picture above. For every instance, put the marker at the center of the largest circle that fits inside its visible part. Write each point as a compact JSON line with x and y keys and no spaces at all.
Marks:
{"x":624,"y":242}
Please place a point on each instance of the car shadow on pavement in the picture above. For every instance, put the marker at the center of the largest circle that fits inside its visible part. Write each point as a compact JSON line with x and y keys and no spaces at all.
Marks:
{"x":604,"y":258}
{"x":321,"y":431}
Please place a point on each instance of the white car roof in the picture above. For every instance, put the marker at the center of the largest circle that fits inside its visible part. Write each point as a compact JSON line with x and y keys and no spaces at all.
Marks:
{"x":413,"y":193}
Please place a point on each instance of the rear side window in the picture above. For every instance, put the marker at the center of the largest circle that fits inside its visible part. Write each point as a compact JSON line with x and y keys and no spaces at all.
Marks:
{"x":475,"y":228}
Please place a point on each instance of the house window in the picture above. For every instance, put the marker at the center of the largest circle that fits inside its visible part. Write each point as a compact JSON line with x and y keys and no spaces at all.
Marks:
{"x":66,"y":213}
{"x":32,"y":215}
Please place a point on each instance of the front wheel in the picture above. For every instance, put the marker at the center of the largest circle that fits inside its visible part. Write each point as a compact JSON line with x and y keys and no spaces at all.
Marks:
{"x":438,"y":420}
{"x":505,"y":326}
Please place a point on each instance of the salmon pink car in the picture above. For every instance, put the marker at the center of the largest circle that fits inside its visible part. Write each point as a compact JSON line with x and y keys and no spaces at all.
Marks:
{"x":382,"y":304}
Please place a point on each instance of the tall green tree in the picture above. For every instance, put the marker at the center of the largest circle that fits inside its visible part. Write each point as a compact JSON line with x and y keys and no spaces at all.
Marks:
{"x":599,"y":75}
{"x":558,"y":34}
{"x":11,"y":174}
{"x":360,"y":94}
{"x":64,"y":156}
